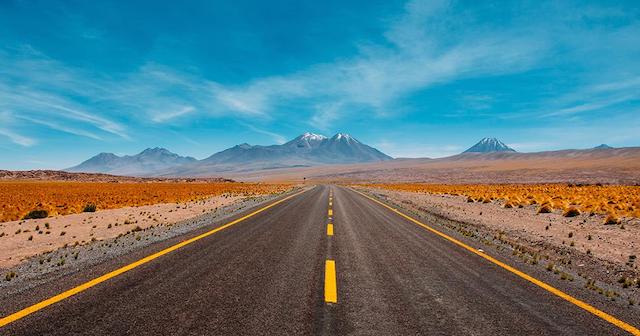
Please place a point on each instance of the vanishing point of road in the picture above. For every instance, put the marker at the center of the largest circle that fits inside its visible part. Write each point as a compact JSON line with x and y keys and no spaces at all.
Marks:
{"x":325,"y":261}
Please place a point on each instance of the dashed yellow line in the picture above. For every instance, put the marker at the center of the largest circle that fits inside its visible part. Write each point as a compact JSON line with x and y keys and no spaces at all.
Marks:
{"x":57,"y":298}
{"x":330,"y":212}
{"x":591,"y":309}
{"x":330,"y":285}
{"x":330,"y":230}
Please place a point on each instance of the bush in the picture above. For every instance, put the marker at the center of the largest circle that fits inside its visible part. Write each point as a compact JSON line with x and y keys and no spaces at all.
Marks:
{"x":35,"y":214}
{"x":571,"y":212}
{"x":544,"y":209}
{"x":611,"y":219}
{"x":89,"y":208}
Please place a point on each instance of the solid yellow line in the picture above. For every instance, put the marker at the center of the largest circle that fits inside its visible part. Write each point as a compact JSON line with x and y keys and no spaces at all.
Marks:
{"x":330,"y":286}
{"x":330,"y":230}
{"x":593,"y":310}
{"x":330,"y":212}
{"x":34,"y":308}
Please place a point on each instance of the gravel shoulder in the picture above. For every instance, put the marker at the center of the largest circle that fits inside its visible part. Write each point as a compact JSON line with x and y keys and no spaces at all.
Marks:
{"x":104,"y":236}
{"x":602,"y":257}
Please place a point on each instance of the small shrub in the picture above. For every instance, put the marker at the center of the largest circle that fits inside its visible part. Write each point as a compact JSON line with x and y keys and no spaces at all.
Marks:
{"x":63,"y":233}
{"x":544,"y":209}
{"x":35,"y":214}
{"x":570,"y":234}
{"x":30,"y":237}
{"x":470,"y":200}
{"x":508,"y":205}
{"x":611,"y":220}
{"x":89,"y":208}
{"x":571,"y":212}
{"x":9,"y":276}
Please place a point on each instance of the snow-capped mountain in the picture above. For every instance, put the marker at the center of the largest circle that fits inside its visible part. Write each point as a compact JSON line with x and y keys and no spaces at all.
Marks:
{"x":489,"y":145}
{"x":307,"y":140}
{"x":308,"y":149}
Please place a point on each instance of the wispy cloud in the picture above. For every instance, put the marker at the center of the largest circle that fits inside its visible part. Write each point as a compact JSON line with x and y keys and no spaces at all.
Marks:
{"x":381,"y":74}
{"x":17,"y":138}
{"x":165,"y":116}
{"x":62,"y":128}
{"x":585,"y":100}
{"x":279,"y":139}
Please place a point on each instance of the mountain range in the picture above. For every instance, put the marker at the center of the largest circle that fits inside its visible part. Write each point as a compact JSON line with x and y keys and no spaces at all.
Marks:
{"x":305,"y":150}
{"x":144,"y":163}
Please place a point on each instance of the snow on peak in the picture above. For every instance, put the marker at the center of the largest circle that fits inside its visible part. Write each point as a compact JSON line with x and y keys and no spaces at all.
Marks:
{"x":344,"y":137}
{"x":313,"y":136}
{"x":488,"y":145}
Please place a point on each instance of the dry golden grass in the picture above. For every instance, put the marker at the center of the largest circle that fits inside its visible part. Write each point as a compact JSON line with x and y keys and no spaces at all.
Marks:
{"x":19,"y":198}
{"x":610,"y":200}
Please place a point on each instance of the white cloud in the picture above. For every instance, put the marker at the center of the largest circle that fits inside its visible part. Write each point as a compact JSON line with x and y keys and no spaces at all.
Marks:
{"x":62,"y":128}
{"x":380,"y":75}
{"x":166,"y":116}
{"x":18,"y":138}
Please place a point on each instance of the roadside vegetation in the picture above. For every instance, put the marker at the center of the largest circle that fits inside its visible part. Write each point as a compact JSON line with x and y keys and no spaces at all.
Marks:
{"x":612,"y":201}
{"x":32,"y":200}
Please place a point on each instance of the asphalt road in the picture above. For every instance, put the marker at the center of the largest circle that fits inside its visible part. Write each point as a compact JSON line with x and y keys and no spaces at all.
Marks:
{"x":266,"y":276}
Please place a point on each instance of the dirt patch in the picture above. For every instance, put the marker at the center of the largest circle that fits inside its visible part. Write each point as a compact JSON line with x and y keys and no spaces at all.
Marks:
{"x":25,"y":238}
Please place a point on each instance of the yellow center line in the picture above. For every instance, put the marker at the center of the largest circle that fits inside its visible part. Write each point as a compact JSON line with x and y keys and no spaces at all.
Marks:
{"x":57,"y":298}
{"x":330,"y":230}
{"x":330,"y":212}
{"x":330,"y":286}
{"x":591,"y":309}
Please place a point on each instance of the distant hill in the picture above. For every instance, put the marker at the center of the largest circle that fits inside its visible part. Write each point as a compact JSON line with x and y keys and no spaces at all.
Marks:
{"x":149,"y":160}
{"x":489,"y":145}
{"x":603,"y":146}
{"x":60,"y":175}
{"x":610,"y":166}
{"x":305,"y":150}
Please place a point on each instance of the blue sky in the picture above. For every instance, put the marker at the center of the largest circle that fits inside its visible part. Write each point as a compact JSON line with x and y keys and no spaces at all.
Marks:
{"x":413,"y":78}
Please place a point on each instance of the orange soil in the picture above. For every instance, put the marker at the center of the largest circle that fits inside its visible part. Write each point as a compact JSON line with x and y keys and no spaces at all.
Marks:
{"x":18,"y":198}
{"x":617,"y":201}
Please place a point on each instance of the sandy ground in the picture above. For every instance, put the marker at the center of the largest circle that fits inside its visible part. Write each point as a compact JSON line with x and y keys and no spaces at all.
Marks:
{"x":614,"y":166}
{"x":614,"y":243}
{"x":25,"y":238}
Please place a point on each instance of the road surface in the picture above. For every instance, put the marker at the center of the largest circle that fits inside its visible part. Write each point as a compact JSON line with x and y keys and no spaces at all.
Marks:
{"x":284,"y":271}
